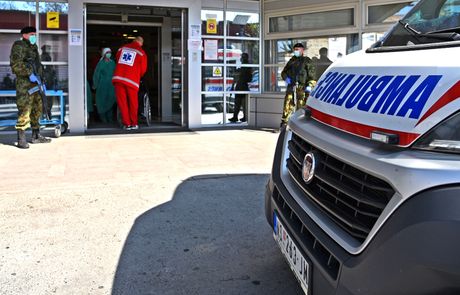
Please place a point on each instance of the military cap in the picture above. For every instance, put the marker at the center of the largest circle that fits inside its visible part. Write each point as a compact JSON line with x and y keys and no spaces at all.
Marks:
{"x":27,"y":30}
{"x":298,"y":45}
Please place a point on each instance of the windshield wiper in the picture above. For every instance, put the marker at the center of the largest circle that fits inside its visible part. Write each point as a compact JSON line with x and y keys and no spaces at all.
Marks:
{"x":440,"y":35}
{"x":446,"y":34}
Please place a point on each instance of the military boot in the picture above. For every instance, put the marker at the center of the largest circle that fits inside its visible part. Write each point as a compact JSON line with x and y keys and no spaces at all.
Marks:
{"x":22,"y":142}
{"x":38,"y":138}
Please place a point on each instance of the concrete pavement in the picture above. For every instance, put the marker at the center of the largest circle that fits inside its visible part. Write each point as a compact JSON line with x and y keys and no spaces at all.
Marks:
{"x":166,"y":213}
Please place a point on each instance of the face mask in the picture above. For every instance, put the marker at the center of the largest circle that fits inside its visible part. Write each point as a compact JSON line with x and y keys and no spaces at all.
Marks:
{"x":33,"y":39}
{"x":108,"y":55}
{"x":296,"y":53}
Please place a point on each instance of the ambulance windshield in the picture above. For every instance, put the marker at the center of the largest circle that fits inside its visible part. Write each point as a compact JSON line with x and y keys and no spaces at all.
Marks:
{"x":429,"y":22}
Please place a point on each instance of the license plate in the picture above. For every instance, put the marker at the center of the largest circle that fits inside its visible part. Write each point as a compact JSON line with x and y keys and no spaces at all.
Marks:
{"x":298,"y":263}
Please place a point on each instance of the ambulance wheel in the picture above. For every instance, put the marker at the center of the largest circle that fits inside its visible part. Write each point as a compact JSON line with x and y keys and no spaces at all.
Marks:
{"x":57,"y":131}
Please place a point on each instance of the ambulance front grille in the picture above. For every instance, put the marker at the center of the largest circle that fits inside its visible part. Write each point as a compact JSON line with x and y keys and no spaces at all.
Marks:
{"x":352,"y":198}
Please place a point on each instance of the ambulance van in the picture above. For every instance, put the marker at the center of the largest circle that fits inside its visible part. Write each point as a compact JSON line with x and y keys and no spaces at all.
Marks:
{"x":364,"y":195}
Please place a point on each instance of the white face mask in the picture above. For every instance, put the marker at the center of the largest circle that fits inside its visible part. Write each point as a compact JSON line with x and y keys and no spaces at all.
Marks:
{"x":297,"y":53}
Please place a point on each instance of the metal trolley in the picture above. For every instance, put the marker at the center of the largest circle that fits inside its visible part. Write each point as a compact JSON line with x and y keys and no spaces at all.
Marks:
{"x":60,"y":126}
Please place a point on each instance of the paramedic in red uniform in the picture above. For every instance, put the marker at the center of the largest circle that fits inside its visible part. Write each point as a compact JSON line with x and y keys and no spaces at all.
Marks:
{"x":131,"y":66}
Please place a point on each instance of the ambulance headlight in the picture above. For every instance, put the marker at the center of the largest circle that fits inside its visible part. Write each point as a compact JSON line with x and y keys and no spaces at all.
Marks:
{"x":443,"y":138}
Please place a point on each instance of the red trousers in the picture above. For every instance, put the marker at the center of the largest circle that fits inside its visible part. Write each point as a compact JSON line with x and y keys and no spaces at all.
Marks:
{"x":128,"y":103}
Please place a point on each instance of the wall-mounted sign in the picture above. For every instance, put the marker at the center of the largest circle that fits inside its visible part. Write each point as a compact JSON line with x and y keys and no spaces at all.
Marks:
{"x":194,"y":44}
{"x":52,"y":20}
{"x":195,"y":31}
{"x":217,"y":71}
{"x":211,"y":26}
{"x":75,"y":37}
{"x":210,"y":49}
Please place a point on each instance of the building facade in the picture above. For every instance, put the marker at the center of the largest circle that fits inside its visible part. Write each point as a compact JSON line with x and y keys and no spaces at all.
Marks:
{"x":194,"y":49}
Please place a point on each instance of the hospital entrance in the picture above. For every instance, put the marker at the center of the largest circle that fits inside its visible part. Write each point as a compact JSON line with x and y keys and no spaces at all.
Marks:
{"x":161,"y":89}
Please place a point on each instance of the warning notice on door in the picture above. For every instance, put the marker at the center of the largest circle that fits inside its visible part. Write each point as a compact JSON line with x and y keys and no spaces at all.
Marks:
{"x":52,"y":20}
{"x":211,"y":26}
{"x":210,"y":49}
{"x":217,"y":71}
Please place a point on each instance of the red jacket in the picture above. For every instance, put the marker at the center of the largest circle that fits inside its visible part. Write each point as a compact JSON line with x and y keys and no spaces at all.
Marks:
{"x":131,"y":65}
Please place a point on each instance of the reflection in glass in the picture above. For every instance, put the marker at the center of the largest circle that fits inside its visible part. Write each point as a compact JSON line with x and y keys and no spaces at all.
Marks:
{"x":7,"y":78}
{"x":54,"y":47}
{"x":312,"y":21}
{"x":273,"y":81}
{"x":389,"y":13}
{"x":6,"y":42}
{"x":242,"y":24}
{"x":250,"y":74}
{"x":236,"y":47}
{"x":213,"y":79}
{"x":212,"y":107}
{"x":176,"y":68}
{"x":17,"y":14}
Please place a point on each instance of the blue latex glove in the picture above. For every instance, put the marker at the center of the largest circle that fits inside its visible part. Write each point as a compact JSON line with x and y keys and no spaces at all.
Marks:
{"x":288,"y":81}
{"x":308,"y":89}
{"x":44,"y":88}
{"x":33,"y":78}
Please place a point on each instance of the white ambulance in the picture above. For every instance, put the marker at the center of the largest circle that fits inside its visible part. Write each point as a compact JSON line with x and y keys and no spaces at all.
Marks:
{"x":364,"y":196}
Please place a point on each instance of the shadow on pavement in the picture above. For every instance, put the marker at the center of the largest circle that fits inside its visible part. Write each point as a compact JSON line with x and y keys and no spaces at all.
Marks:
{"x":211,"y":238}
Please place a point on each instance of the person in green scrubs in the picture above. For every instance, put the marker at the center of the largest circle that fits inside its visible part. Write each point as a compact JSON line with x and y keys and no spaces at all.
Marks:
{"x":102,"y":83}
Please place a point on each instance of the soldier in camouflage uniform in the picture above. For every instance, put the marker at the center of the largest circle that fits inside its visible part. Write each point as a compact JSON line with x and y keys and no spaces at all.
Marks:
{"x":299,"y":74}
{"x":29,"y":103}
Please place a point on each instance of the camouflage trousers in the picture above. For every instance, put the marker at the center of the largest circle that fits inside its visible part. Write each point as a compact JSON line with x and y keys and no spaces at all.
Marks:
{"x":29,"y":105}
{"x":292,"y":104}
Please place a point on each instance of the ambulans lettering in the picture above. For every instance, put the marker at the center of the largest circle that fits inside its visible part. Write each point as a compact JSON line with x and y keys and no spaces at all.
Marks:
{"x":391,"y":95}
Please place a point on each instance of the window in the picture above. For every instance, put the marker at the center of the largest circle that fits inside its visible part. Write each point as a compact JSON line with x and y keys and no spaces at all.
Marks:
{"x":388,"y":13}
{"x":427,"y":23}
{"x":312,"y":21}
{"x":322,"y":50}
{"x":230,"y":47}
{"x":51,"y":42}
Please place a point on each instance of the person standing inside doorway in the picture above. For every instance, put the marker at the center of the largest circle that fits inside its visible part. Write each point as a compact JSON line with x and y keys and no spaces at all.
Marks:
{"x":131,"y":66}
{"x":299,"y":75}
{"x":26,"y":65}
{"x":102,"y":83}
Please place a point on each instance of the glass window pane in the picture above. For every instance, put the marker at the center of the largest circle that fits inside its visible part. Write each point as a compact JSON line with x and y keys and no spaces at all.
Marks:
{"x":212,"y":22}
{"x":312,"y":21}
{"x":243,"y":24}
{"x":236,"y":47}
{"x":212,"y":51}
{"x":7,"y":78}
{"x":53,"y":47}
{"x":388,"y":13}
{"x":213,"y":78}
{"x":272,"y":79}
{"x":53,"y":16}
{"x":212,"y":106}
{"x":6,"y":42}
{"x":370,"y":38}
{"x":61,"y":81}
{"x":237,"y":108}
{"x":17,"y":14}
{"x":249,"y":79}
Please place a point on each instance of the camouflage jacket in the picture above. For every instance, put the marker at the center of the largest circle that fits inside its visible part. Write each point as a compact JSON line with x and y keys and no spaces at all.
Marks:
{"x":23,"y":54}
{"x":300,"y":69}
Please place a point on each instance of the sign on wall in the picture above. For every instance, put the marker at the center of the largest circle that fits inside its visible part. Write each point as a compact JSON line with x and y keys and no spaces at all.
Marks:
{"x":52,"y":20}
{"x":210,"y":50}
{"x":211,"y":26}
